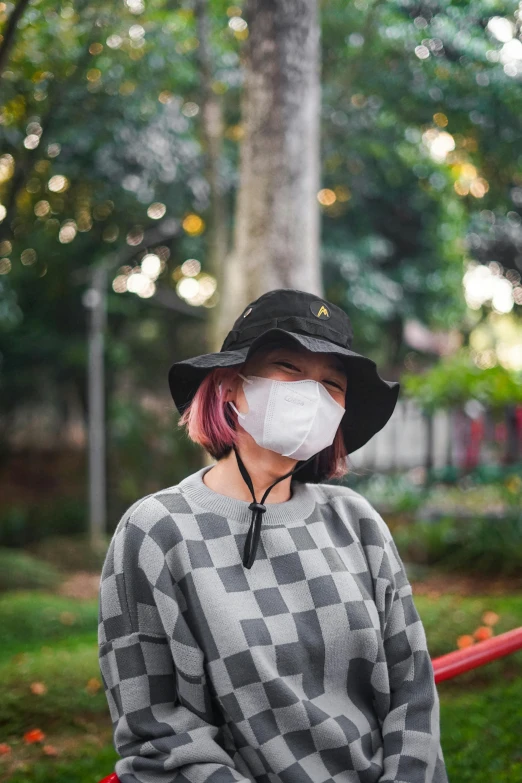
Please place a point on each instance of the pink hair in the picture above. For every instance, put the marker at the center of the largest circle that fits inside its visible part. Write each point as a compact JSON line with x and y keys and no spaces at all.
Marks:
{"x":211,"y":422}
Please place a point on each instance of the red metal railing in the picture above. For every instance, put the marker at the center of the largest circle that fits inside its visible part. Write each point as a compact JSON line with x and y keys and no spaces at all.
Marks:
{"x":459,"y":661}
{"x":454,"y":663}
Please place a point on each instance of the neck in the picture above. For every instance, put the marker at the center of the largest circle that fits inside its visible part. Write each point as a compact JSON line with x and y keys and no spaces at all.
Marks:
{"x":263,"y":466}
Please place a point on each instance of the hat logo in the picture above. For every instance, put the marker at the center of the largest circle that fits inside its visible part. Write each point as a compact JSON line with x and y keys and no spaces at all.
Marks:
{"x":320,"y":310}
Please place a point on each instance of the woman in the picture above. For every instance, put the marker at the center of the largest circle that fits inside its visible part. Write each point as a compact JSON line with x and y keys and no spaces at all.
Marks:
{"x":272,"y":639}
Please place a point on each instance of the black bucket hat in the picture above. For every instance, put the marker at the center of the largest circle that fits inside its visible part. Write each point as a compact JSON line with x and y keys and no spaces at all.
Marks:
{"x":319,"y":326}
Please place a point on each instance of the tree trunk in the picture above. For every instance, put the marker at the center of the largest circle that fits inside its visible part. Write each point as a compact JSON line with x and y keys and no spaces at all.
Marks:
{"x":276,"y":227}
{"x":212,"y":129}
{"x":8,"y":37}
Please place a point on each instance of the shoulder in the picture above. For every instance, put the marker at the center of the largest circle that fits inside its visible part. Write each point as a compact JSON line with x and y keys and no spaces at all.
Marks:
{"x":153,"y":522}
{"x":354,"y":508}
{"x":148,"y":510}
{"x":371,"y":529}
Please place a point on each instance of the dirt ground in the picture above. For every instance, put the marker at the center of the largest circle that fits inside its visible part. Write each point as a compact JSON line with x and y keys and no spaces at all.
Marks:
{"x":438,"y":584}
{"x":82,"y":584}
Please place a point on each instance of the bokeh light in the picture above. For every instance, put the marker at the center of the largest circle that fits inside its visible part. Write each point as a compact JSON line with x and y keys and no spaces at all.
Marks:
{"x":156,"y":210}
{"x":485,"y":284}
{"x":151,"y":266}
{"x":193,"y":224}
{"x":191,"y":267}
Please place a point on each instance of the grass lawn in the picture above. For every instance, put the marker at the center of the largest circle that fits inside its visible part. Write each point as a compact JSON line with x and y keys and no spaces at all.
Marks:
{"x":480,"y":733}
{"x":51,"y":682}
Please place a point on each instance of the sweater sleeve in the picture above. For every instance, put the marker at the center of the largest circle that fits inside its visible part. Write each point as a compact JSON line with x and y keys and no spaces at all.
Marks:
{"x":164,"y":726}
{"x":411,"y":727}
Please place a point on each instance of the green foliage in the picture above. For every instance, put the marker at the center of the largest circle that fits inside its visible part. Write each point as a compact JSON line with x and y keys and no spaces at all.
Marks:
{"x":490,"y":491}
{"x":446,"y":617}
{"x":86,"y":762}
{"x":141,"y":145}
{"x":473,"y":526}
{"x":393,"y":242}
{"x":20,"y":571}
{"x":22,"y":524}
{"x":70,"y":553}
{"x":395,"y":246}
{"x":498,"y":476}
{"x":388,"y":491}
{"x":456,"y":379}
{"x":480,"y":732}
{"x":65,"y":668}
{"x":29,"y":619}
{"x":135,"y":431}
{"x":487,"y":473}
{"x":467,"y":499}
{"x":485,"y":545}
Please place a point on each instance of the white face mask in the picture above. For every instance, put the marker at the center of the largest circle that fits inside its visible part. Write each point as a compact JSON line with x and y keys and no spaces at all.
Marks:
{"x":294,"y":418}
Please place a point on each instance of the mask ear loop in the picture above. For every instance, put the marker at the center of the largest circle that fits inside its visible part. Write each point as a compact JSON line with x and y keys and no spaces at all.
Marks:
{"x":241,"y":415}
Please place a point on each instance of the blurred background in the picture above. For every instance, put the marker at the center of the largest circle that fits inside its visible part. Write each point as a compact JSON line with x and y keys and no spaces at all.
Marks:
{"x":161,"y":165}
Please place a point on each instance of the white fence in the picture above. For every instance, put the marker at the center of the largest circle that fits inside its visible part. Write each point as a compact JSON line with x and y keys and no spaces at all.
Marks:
{"x":402,"y":444}
{"x":404,"y":441}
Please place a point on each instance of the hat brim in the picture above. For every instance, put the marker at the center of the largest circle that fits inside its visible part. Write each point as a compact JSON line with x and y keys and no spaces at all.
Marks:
{"x":370,"y":399}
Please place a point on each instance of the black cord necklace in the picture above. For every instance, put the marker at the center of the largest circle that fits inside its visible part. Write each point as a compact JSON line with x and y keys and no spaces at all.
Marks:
{"x":258,"y":509}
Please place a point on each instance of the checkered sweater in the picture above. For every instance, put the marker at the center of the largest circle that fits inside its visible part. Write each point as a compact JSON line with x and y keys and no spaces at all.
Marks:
{"x":310,"y":667}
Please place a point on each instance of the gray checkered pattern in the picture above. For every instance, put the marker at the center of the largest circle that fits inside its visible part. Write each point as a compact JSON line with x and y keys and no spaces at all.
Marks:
{"x":310,"y":667}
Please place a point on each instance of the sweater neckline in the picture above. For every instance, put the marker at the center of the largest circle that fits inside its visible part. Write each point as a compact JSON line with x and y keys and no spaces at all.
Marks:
{"x":289,"y":512}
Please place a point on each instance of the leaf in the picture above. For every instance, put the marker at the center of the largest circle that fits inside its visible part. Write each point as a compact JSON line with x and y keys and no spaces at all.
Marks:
{"x":93,"y":686}
{"x":465,"y":641}
{"x":483,"y":632}
{"x":38,"y":688}
{"x":34,"y":735}
{"x":490,"y":618}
